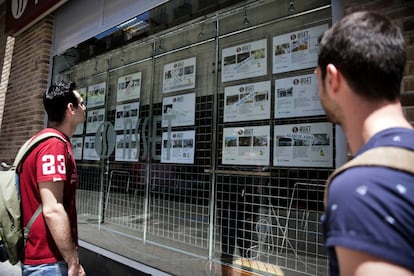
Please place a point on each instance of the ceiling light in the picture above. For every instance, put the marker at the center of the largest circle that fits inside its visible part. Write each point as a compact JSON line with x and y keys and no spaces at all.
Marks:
{"x":292,"y":6}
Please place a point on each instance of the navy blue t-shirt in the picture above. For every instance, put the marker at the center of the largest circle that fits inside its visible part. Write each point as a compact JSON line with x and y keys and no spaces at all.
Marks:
{"x":371,"y":209}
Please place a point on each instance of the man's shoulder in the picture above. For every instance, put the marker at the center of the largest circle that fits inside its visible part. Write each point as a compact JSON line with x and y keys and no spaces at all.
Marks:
{"x":51,"y":136}
{"x":393,"y":137}
{"x":53,"y":132}
{"x":352,"y":177}
{"x":49,"y":144}
{"x":379,"y":180}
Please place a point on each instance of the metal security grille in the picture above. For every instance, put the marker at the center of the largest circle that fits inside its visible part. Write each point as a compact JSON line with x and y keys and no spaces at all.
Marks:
{"x":180,"y":194}
{"x":125,"y":198}
{"x":260,"y":218}
{"x":88,"y":193}
{"x":179,"y":205}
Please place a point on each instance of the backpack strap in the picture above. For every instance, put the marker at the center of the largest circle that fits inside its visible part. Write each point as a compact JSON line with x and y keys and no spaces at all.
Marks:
{"x":388,"y":156}
{"x":26,"y":229}
{"x":30,"y":145}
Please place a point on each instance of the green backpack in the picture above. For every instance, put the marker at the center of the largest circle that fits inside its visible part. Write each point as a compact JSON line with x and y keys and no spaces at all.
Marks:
{"x":12,"y":234}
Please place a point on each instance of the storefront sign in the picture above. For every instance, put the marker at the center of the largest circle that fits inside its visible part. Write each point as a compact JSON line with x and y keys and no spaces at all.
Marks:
{"x":21,"y":14}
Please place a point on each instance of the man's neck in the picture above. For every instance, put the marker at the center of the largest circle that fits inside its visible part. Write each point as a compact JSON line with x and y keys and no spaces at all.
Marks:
{"x":62,"y":128}
{"x":370,"y":119}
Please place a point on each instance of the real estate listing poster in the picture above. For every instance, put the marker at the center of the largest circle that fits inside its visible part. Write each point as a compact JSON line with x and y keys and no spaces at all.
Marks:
{"x":296,"y":50}
{"x":179,"y":75}
{"x":96,"y":94}
{"x":247,"y":102}
{"x":297,"y":97}
{"x":247,"y":145}
{"x":180,"y":110}
{"x":303,"y":145}
{"x":129,"y":87}
{"x":178,"y":147}
{"x":89,"y":149}
{"x":126,"y":147}
{"x":77,"y":146}
{"x":94,"y":119}
{"x":126,"y":116}
{"x":80,"y":127}
{"x":244,"y":61}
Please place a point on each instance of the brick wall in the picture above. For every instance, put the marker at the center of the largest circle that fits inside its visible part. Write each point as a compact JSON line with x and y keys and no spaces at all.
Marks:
{"x":23,"y":113}
{"x":401,"y":12}
{"x":3,"y":40}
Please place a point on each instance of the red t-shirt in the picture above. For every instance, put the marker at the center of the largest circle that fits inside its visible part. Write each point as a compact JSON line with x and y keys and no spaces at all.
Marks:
{"x":51,"y":160}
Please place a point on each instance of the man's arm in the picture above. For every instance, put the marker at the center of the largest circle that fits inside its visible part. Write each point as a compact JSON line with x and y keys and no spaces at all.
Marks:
{"x":355,"y":263}
{"x":58,"y":222}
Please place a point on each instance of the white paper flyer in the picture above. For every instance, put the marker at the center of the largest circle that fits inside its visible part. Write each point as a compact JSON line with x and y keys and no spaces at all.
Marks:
{"x":77,"y":146}
{"x":179,"y":75}
{"x":244,"y":61}
{"x":126,"y":116}
{"x":94,"y":119}
{"x":180,"y":110}
{"x":96,"y":95}
{"x":247,"y":102}
{"x":247,"y":145}
{"x":89,"y":151}
{"x":303,"y":145}
{"x":129,"y":87}
{"x":296,"y":50}
{"x":126,"y":147}
{"x":178,"y":147}
{"x":297,"y":97}
{"x":80,"y":127}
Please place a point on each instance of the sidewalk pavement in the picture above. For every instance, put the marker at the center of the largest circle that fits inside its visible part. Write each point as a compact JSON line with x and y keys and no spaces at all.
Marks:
{"x":6,"y":269}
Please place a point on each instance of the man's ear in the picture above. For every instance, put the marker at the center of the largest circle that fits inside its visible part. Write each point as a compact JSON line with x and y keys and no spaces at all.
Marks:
{"x":333,"y":77}
{"x":71,"y":108}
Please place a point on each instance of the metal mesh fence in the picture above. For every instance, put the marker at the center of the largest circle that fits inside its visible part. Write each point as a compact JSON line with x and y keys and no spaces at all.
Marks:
{"x":260,"y":218}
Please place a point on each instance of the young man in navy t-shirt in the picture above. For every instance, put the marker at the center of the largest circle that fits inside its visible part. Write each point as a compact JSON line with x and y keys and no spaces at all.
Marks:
{"x":369,"y":219}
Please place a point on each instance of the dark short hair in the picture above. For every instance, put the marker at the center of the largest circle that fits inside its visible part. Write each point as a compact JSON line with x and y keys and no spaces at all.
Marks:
{"x":56,"y":99}
{"x":368,"y":49}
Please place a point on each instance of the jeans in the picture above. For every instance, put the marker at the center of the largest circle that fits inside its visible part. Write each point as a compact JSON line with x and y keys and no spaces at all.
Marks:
{"x":53,"y":269}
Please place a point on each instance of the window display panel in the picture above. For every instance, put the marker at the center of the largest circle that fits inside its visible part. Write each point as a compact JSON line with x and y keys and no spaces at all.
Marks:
{"x":263,"y":12}
{"x":199,"y":63}
{"x":127,"y":107}
{"x":186,"y":86}
{"x":228,"y":106}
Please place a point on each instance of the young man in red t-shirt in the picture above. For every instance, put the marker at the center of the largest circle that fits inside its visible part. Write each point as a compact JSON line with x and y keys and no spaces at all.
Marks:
{"x":49,"y":177}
